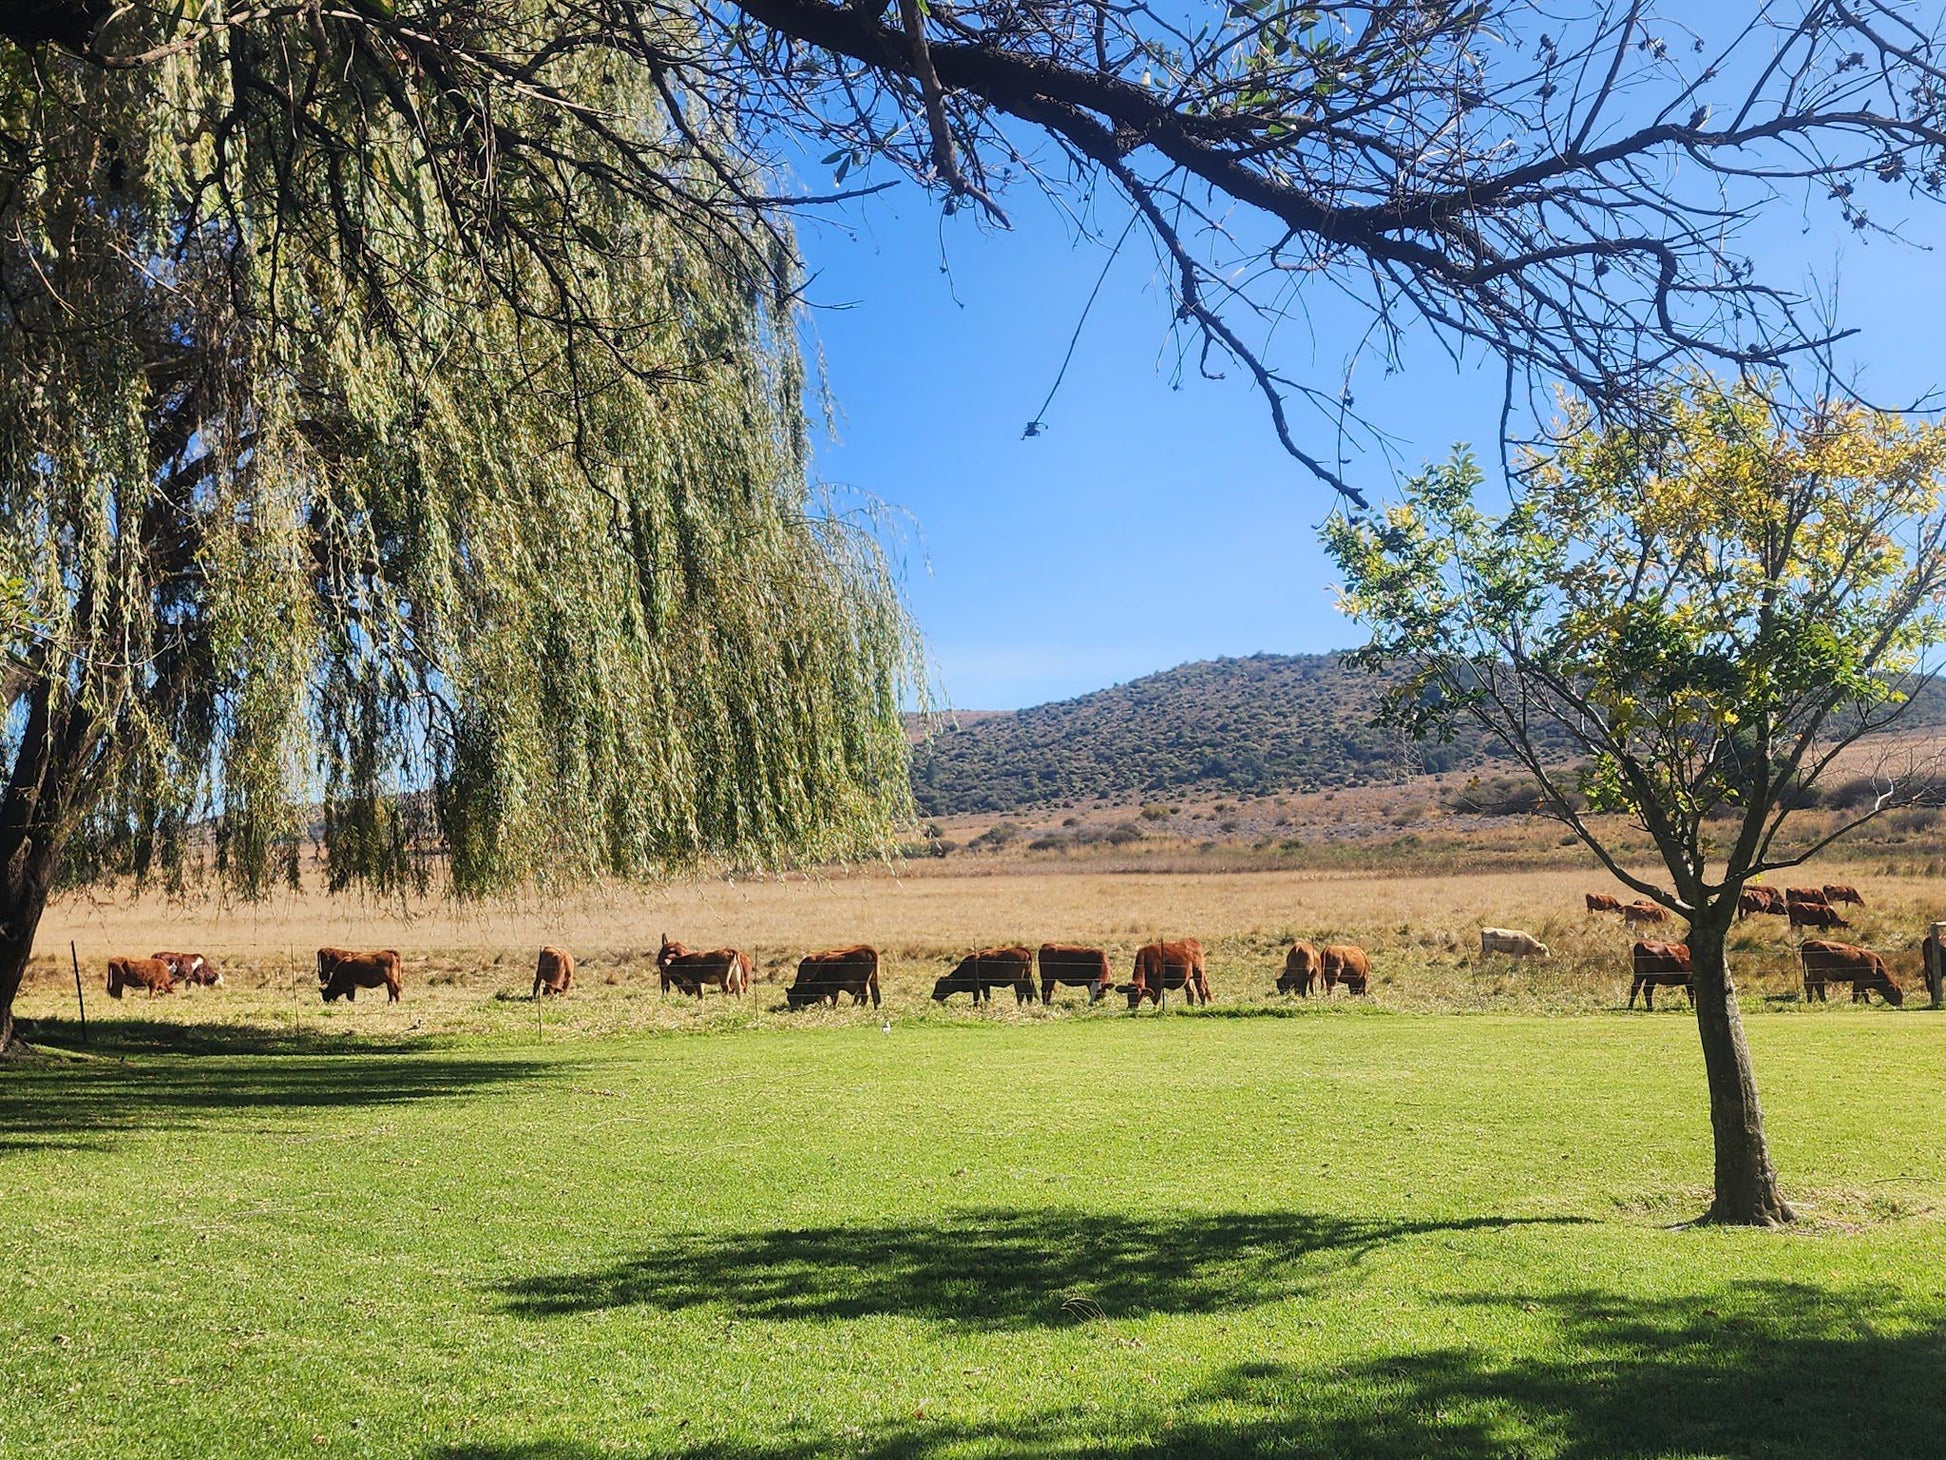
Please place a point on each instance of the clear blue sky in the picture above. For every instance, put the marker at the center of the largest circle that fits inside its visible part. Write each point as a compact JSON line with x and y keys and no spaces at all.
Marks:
{"x":1149,"y":525}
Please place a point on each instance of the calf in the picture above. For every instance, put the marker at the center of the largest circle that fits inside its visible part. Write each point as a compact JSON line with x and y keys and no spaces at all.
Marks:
{"x":1602,"y":902}
{"x":1512,"y":942}
{"x":1160,"y":967}
{"x":1642,"y":911}
{"x":690,"y":972}
{"x":1659,"y":965}
{"x":151,"y":974}
{"x":1815,"y":915}
{"x":1075,"y":966}
{"x":553,"y":973}
{"x":1344,"y":963}
{"x":1829,"y":963}
{"x":821,"y":977}
{"x":341,"y":971}
{"x":980,"y":973}
{"x":1837,"y":892}
{"x":1301,"y":967}
{"x":191,"y":968}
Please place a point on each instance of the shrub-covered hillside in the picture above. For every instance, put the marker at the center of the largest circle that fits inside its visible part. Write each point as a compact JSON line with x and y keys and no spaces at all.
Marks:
{"x":1271,"y":722}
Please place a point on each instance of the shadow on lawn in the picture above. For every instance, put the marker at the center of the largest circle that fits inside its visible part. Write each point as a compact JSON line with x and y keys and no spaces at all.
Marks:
{"x":1744,"y":1370}
{"x":994,"y":1269}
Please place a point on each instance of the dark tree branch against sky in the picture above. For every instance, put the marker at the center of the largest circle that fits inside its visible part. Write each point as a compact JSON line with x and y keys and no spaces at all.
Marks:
{"x":1569,"y":187}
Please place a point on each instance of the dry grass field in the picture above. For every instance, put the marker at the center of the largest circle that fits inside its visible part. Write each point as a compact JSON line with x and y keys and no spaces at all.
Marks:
{"x":469,"y":970}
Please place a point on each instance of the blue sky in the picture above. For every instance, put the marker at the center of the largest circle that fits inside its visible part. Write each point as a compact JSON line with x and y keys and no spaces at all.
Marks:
{"x":1149,"y":525}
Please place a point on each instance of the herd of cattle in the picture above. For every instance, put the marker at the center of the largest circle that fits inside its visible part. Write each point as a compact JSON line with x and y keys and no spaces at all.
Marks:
{"x":1159,"y":969}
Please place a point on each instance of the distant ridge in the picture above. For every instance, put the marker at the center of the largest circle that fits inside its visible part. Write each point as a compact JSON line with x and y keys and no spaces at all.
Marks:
{"x":1268,"y":723}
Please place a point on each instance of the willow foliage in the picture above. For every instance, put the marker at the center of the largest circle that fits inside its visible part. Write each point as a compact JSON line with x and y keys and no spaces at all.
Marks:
{"x":481,"y":522}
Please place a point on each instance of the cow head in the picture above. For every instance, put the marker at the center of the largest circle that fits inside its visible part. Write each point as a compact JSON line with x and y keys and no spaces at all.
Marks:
{"x":797,"y":998}
{"x":948,"y":984}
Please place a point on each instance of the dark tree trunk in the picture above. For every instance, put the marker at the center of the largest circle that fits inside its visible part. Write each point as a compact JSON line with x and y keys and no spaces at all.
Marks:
{"x":1746,"y":1182}
{"x":23,"y":897}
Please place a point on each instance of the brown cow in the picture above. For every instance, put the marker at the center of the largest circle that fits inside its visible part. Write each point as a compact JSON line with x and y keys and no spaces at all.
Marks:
{"x":1602,"y":902}
{"x":341,"y":971}
{"x":1347,"y":964}
{"x":152,"y":974}
{"x":1829,"y":963}
{"x":1160,"y":967}
{"x":727,"y":968}
{"x":1643,"y":911}
{"x":981,"y":972}
{"x":1756,"y":899}
{"x":553,"y":973}
{"x":1808,"y":896}
{"x":823,"y":976}
{"x":1815,"y":915}
{"x":1301,"y":968}
{"x":192,"y":968}
{"x":1077,"y":967}
{"x":1837,"y":892}
{"x":1659,"y":965}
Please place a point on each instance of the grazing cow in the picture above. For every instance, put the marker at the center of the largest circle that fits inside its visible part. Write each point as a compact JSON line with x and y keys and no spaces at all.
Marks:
{"x":553,"y":973}
{"x":1829,"y":963}
{"x":690,"y":972}
{"x":192,"y":968}
{"x":1160,"y":967}
{"x":1837,"y":892}
{"x":1659,"y":965}
{"x":1301,"y":968}
{"x":823,"y":976}
{"x":1075,"y":966}
{"x":1756,"y":899}
{"x":152,"y":974}
{"x":1602,"y":902}
{"x":1643,"y":911}
{"x":1805,"y":896}
{"x":341,"y":971}
{"x":1343,"y":963}
{"x":1815,"y":915}
{"x":981,"y":972}
{"x":1512,"y":942}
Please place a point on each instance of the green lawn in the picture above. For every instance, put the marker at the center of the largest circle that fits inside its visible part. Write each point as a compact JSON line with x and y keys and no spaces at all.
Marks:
{"x":1327,"y":1235}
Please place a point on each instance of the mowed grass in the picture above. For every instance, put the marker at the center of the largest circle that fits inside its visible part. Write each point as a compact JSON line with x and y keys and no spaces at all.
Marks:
{"x":1388,"y":1234}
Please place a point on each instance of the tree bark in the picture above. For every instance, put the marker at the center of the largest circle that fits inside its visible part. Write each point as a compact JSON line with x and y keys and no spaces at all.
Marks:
{"x":1746,"y":1182}
{"x":23,"y":898}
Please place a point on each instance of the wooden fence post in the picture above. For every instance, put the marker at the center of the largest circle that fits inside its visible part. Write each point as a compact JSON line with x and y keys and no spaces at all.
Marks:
{"x":80,"y":1002}
{"x":1935,"y":957}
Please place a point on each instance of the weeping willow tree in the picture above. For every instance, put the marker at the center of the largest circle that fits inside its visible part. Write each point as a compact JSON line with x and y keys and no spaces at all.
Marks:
{"x":470,"y":505}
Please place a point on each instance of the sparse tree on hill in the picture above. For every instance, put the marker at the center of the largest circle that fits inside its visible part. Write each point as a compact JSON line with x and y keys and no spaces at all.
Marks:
{"x":1709,"y":610}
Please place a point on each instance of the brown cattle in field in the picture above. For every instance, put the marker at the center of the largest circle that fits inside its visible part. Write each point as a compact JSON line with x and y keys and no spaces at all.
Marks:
{"x":1805,"y":896}
{"x":1815,"y":915}
{"x":151,"y":974}
{"x":1829,"y":963}
{"x":192,"y":968}
{"x":691,"y":973}
{"x":823,"y":976}
{"x":1602,"y":902}
{"x":981,"y":972}
{"x":1837,"y":892}
{"x":1642,"y":911}
{"x":1075,"y":966}
{"x":1512,"y":942}
{"x":1160,"y":967}
{"x":341,"y":971}
{"x":553,"y":972}
{"x":1344,"y":963}
{"x":1755,"y":899}
{"x":1301,"y":968}
{"x":1659,"y":965}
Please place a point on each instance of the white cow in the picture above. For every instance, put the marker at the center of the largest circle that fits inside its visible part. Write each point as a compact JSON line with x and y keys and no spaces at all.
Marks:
{"x":1511,"y":941}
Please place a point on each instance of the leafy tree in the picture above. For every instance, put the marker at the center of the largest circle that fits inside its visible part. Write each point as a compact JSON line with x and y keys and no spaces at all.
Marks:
{"x":1709,"y":610}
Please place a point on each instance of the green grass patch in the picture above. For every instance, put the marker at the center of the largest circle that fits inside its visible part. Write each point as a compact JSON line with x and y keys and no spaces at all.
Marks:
{"x":1398,"y":1236}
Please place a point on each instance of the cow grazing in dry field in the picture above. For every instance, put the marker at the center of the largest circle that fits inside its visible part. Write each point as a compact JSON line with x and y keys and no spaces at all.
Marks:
{"x":1344,"y":963}
{"x":1642,"y":911}
{"x":192,"y":968}
{"x":823,"y":976}
{"x":1805,"y":897}
{"x":1767,"y":900}
{"x":1815,"y":915}
{"x":150,"y":974}
{"x":1512,"y":942}
{"x":1837,"y":892}
{"x":553,"y":972}
{"x":689,"y":972}
{"x":1075,"y":966}
{"x":1659,"y":965}
{"x":1160,"y":967}
{"x":341,"y":971}
{"x":1301,"y":969}
{"x":981,"y":972}
{"x":1829,"y":963}
{"x":1602,"y":902}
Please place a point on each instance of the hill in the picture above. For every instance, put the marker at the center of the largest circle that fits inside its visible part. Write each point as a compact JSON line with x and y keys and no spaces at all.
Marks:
{"x":1254,"y":726}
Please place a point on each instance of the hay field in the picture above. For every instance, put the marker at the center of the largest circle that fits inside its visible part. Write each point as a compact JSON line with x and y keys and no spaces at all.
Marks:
{"x":469,"y":971}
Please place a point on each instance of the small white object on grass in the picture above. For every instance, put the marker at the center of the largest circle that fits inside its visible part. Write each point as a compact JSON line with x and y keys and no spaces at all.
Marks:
{"x":888,"y":1026}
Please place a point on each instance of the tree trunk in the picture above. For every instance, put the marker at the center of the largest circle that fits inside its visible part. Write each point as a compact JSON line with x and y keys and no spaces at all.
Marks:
{"x":23,"y":897}
{"x":1746,"y":1182}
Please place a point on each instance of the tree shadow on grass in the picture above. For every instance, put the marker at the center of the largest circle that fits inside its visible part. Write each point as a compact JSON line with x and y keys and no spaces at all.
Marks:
{"x":994,"y":1268}
{"x":1775,"y":1370}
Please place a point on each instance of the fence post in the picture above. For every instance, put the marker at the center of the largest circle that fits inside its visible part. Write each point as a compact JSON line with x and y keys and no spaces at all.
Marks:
{"x":1935,"y":955}
{"x":80,"y":1002}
